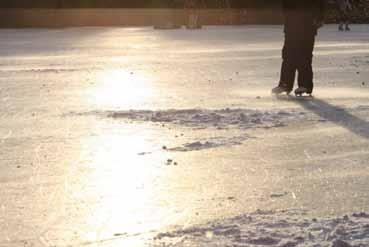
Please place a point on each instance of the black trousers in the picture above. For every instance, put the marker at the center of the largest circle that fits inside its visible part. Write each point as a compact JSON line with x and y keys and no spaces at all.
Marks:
{"x":297,"y":56}
{"x":343,"y":16}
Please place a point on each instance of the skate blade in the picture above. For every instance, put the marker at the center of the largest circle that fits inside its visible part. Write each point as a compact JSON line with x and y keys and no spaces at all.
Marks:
{"x":303,"y":96}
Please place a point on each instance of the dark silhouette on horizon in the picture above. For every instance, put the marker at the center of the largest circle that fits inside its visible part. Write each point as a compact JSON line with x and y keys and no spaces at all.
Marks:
{"x":344,"y":9}
{"x":134,"y":4}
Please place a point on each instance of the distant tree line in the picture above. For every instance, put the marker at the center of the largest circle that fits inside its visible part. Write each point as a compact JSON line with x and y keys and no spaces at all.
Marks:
{"x":134,"y":4}
{"x":151,"y":3}
{"x":360,"y":13}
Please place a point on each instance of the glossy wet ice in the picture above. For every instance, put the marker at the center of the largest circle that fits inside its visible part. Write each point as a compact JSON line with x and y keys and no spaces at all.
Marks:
{"x":120,"y":135}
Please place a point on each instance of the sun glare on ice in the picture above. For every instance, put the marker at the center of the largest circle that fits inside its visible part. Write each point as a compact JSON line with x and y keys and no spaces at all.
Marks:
{"x":121,"y":88}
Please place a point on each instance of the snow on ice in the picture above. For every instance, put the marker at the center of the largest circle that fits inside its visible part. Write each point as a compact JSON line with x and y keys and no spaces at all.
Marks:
{"x":273,"y":228}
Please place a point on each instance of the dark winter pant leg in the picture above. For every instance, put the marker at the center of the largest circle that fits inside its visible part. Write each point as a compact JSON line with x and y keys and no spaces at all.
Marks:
{"x":304,"y":66}
{"x":289,"y":65}
{"x":343,"y":16}
{"x":305,"y":77}
{"x":288,"y":74}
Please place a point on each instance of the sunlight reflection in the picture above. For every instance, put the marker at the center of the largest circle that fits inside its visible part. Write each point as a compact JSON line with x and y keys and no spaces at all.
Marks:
{"x":121,"y":88}
{"x":122,"y":183}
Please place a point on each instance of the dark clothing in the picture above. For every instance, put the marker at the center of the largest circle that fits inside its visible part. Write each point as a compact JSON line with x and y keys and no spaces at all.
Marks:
{"x":300,"y":27}
{"x":190,"y":4}
{"x":344,"y":5}
{"x":297,"y":55}
{"x":343,"y":17}
{"x":313,"y":8}
{"x":344,"y":8}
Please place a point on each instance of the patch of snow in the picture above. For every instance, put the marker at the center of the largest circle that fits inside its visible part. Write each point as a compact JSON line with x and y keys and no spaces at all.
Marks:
{"x":206,"y":118}
{"x":212,"y":143}
{"x":272,"y":228}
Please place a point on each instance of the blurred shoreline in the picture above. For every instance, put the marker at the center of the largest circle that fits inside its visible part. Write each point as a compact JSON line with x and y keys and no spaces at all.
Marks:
{"x":77,"y":17}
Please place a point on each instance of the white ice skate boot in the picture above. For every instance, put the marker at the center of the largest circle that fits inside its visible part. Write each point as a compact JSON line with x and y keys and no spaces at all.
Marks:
{"x":301,"y":91}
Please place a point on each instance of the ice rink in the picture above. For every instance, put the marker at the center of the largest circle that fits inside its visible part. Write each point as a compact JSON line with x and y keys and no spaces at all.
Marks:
{"x":140,"y":137}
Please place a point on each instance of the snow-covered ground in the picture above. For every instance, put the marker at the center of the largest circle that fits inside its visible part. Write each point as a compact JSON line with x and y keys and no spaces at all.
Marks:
{"x":142,"y":137}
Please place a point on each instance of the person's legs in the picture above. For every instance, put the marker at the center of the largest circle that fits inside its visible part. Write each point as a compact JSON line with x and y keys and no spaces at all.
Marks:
{"x":347,"y":23}
{"x":341,"y":17}
{"x":345,"y":20}
{"x":304,"y":65}
{"x":347,"y":28}
{"x":340,"y":26}
{"x":288,"y":68}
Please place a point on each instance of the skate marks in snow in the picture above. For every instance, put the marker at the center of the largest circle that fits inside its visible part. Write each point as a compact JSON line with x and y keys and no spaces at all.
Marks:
{"x":272,"y":228}
{"x":223,"y":119}
{"x":338,"y":115}
{"x":218,"y":120}
{"x":227,"y":126}
{"x":360,"y":61}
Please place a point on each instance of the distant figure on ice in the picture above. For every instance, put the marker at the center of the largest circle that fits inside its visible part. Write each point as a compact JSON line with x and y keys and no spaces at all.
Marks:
{"x":193,"y":21}
{"x":302,"y":18}
{"x":344,"y":9}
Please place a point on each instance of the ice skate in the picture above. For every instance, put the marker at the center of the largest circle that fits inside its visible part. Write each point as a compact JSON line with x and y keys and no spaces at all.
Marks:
{"x":340,"y":28}
{"x":280,"y":90}
{"x":302,"y":91}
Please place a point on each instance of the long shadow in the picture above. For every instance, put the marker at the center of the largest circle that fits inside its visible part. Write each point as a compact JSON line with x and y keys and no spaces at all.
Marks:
{"x":337,"y":115}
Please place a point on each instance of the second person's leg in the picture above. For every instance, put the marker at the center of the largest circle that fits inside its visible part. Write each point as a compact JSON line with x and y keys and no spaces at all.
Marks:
{"x":304,"y":67}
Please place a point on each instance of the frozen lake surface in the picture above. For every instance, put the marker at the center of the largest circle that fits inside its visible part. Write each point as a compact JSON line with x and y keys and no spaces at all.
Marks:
{"x":142,"y":137}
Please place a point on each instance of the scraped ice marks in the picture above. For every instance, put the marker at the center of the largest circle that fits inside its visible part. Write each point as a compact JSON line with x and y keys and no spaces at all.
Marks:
{"x":278,"y":194}
{"x":211,"y":143}
{"x":360,"y":61}
{"x":364,"y":108}
{"x":218,"y":119}
{"x":144,"y":153}
{"x":272,"y":228}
